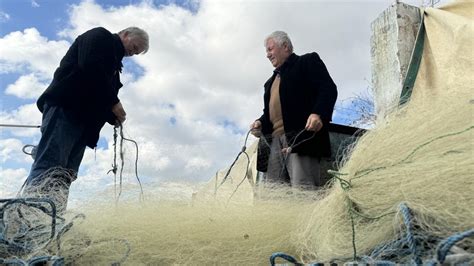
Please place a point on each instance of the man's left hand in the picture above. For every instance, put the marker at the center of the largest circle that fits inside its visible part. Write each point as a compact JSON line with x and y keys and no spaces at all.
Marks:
{"x":119,"y":112}
{"x":314,"y":123}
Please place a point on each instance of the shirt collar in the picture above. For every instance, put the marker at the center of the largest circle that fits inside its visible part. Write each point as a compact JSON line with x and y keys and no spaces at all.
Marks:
{"x":288,"y":62}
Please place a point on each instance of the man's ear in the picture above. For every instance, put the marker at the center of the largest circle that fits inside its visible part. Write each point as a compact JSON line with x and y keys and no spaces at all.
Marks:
{"x":123,"y":35}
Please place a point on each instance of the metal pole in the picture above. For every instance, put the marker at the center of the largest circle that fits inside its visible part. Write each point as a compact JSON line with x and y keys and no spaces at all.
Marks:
{"x":25,"y":126}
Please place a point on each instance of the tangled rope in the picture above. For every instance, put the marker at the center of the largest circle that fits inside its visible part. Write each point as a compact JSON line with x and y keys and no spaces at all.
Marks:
{"x":41,"y":260}
{"x":122,"y":162}
{"x":448,"y":243}
{"x":23,"y":233}
{"x":16,"y":243}
{"x":409,"y":243}
{"x":409,"y":239}
{"x":242,"y":151}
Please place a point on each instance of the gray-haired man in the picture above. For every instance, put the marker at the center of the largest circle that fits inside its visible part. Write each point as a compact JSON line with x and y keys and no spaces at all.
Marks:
{"x":299,"y":100}
{"x":81,"y":98}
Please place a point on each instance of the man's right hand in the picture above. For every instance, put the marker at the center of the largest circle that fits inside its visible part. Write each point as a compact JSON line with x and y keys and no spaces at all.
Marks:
{"x":119,"y":112}
{"x":256,"y":128}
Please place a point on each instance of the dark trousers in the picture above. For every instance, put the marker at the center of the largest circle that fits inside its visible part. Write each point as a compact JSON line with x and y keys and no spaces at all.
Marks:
{"x":62,"y":144}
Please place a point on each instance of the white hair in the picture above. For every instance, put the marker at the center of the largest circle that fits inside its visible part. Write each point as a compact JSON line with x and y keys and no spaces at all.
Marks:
{"x":138,"y":34}
{"x":281,"y":38}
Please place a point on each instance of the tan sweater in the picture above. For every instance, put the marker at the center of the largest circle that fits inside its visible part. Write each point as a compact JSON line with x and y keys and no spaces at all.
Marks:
{"x":275,"y":108}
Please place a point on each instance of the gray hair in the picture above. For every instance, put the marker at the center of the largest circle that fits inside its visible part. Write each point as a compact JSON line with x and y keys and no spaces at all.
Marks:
{"x":281,"y":38}
{"x":139,"y":34}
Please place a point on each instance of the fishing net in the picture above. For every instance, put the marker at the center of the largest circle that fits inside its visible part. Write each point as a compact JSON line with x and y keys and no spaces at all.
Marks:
{"x":398,"y":195}
{"x":421,"y":155}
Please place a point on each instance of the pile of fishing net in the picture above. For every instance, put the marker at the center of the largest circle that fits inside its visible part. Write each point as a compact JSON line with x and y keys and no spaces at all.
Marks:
{"x":420,"y":157}
{"x":221,"y":223}
{"x":404,"y":188}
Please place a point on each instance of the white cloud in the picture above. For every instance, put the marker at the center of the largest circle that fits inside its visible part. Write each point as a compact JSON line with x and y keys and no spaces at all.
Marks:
{"x":11,"y":150}
{"x":34,"y":3}
{"x":23,"y":115}
{"x":196,"y":164}
{"x":29,"y":51}
{"x":4,"y":17}
{"x":26,"y":87}
{"x":203,"y":75}
{"x":11,"y":181}
{"x":207,"y":68}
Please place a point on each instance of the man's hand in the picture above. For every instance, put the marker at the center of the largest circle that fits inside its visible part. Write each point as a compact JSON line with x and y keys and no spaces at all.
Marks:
{"x":119,"y":112}
{"x":256,"y":128}
{"x":314,"y":123}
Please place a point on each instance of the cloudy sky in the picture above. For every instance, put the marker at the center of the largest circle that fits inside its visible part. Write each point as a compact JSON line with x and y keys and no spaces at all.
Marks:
{"x":191,"y":98}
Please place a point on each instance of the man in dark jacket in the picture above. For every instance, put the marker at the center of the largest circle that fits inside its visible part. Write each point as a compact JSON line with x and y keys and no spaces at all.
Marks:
{"x":81,"y":98}
{"x":299,"y":100}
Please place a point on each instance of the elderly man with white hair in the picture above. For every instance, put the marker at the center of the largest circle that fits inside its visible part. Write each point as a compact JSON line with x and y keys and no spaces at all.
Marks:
{"x":299,"y":100}
{"x":82,"y":96}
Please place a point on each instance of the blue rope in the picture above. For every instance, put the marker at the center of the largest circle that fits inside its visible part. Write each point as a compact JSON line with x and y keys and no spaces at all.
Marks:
{"x":405,"y":245}
{"x":394,"y":247}
{"x":56,"y":261}
{"x":41,"y":260}
{"x":283,"y":256}
{"x":31,"y":202}
{"x":11,"y":262}
{"x":370,"y":261}
{"x":408,"y":239}
{"x":382,"y":263}
{"x":409,"y":236}
{"x":18,"y":246}
{"x":445,"y":245}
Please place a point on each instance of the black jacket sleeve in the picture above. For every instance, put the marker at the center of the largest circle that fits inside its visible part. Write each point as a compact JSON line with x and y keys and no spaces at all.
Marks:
{"x":327,"y":91}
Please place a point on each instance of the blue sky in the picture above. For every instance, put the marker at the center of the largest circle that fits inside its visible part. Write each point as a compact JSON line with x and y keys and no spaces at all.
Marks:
{"x":47,"y":16}
{"x":24,"y":14}
{"x":191,"y":98}
{"x":50,"y":16}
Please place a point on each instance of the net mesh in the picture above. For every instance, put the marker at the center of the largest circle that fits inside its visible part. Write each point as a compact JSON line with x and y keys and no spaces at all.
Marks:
{"x":420,"y":157}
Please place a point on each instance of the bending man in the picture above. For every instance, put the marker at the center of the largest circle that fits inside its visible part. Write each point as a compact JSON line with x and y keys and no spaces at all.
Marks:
{"x":81,"y":98}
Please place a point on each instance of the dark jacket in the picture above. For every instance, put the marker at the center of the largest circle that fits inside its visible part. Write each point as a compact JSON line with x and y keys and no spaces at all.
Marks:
{"x":305,"y":88}
{"x":87,"y":81}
